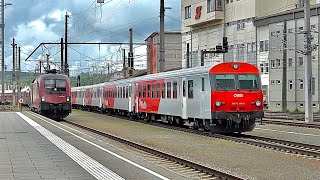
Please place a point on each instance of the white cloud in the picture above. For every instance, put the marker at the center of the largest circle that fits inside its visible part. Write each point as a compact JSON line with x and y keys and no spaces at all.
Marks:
{"x":57,"y":15}
{"x":35,"y":32}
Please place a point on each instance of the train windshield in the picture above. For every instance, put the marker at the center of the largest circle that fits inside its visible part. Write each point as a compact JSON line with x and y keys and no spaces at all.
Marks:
{"x":249,"y":82}
{"x":55,"y":86}
{"x":225,"y":82}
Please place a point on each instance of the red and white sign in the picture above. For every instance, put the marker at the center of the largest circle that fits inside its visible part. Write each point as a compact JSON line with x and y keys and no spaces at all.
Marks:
{"x":198,"y":12}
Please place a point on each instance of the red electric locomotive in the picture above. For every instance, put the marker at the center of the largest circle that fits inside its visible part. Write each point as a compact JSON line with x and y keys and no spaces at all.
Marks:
{"x":51,"y":95}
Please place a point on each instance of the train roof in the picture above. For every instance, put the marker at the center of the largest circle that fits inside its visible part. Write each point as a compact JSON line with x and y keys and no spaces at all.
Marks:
{"x":53,"y":76}
{"x":169,"y":74}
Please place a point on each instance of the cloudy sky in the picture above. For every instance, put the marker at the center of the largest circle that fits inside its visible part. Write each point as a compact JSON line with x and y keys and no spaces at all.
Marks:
{"x":32,"y":22}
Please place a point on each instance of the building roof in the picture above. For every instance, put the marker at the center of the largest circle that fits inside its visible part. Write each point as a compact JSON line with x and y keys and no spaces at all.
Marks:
{"x":297,"y":13}
{"x":166,"y":32}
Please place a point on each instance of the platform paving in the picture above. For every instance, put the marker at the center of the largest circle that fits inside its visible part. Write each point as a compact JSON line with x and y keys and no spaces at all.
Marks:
{"x":26,"y":154}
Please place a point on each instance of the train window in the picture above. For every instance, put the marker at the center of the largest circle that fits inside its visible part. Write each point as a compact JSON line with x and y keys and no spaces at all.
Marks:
{"x":174,"y":88}
{"x":143,"y":91}
{"x":153,"y":93}
{"x":249,"y":82}
{"x":149,"y":90}
{"x":168,"y":89}
{"x":139,"y":91}
{"x":158,"y":90}
{"x":184,"y":88}
{"x":118,"y":92}
{"x":164,"y":90}
{"x":225,"y":82}
{"x":202,"y":84}
{"x":127,"y":92}
{"x":190,"y":89}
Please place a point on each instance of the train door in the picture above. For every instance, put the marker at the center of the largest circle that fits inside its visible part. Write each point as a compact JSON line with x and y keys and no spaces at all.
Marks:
{"x":184,"y":99}
{"x":130,"y":98}
{"x":203,"y":96}
{"x":136,"y":100}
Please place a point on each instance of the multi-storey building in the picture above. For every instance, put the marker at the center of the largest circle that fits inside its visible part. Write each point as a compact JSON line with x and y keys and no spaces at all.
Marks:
{"x":172,"y":51}
{"x":205,"y":22}
{"x":295,"y":47}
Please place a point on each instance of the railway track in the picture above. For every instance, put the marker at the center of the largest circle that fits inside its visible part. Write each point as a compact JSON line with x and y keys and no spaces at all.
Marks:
{"x":201,"y":170}
{"x":290,"y":123}
{"x":296,"y":148}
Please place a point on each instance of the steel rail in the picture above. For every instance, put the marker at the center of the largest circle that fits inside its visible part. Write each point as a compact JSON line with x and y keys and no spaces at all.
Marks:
{"x":178,"y":160}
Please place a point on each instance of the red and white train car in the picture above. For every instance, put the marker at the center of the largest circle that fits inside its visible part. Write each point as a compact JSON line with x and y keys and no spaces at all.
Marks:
{"x":25,"y":95}
{"x":223,"y":98}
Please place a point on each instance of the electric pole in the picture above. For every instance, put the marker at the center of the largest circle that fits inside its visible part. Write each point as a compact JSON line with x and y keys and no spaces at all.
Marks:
{"x":48,"y":64}
{"x":61,"y":63}
{"x":19,"y":73}
{"x":124,"y":63}
{"x":13,"y":72}
{"x":66,"y":46}
{"x":2,"y":50}
{"x":308,"y":64}
{"x":161,"y":49}
{"x":130,"y":57}
{"x":284,"y":68}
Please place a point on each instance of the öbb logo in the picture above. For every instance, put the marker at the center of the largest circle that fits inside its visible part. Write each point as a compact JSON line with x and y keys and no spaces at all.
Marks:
{"x":238,"y":95}
{"x":142,"y":104}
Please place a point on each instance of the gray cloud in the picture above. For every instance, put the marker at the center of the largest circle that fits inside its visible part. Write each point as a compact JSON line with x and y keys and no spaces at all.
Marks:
{"x":36,"y":21}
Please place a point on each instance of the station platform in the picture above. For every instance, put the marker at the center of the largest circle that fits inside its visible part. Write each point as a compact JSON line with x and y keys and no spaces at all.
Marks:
{"x":31,"y":148}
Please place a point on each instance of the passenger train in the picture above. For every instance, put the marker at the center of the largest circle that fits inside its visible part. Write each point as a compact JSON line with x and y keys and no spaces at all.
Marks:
{"x":224,"y":98}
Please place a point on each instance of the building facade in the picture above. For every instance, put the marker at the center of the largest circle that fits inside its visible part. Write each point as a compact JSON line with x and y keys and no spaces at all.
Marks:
{"x":296,"y":60}
{"x":172,"y":52}
{"x":206,"y":22}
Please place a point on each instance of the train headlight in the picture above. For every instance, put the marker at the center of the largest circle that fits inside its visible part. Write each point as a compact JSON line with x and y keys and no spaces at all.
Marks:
{"x":235,"y":66}
{"x":68,"y":98}
{"x":42,"y":98}
{"x":218,"y":103}
{"x":258,"y":103}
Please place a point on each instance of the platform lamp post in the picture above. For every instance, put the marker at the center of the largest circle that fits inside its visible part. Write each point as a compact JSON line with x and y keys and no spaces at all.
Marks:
{"x":2,"y":47}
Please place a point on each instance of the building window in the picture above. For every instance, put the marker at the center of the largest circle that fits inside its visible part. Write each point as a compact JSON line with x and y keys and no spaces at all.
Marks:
{"x":290,"y":62}
{"x":290,"y":85}
{"x":210,"y":6}
{"x":301,"y":84}
{"x":266,"y":45}
{"x":238,"y":26}
{"x":290,"y":30}
{"x":278,"y":104}
{"x":253,"y":46}
{"x":300,"y":28}
{"x":190,"y":89}
{"x":261,"y":68}
{"x":249,"y":48}
{"x":273,"y":82}
{"x":313,"y":27}
{"x":301,"y":105}
{"x":300,"y":61}
{"x":314,"y":105}
{"x":273,"y":64}
{"x":278,"y":82}
{"x":278,"y":63}
{"x":261,"y":46}
{"x":227,"y":1}
{"x":219,"y":5}
{"x":187,"y":10}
